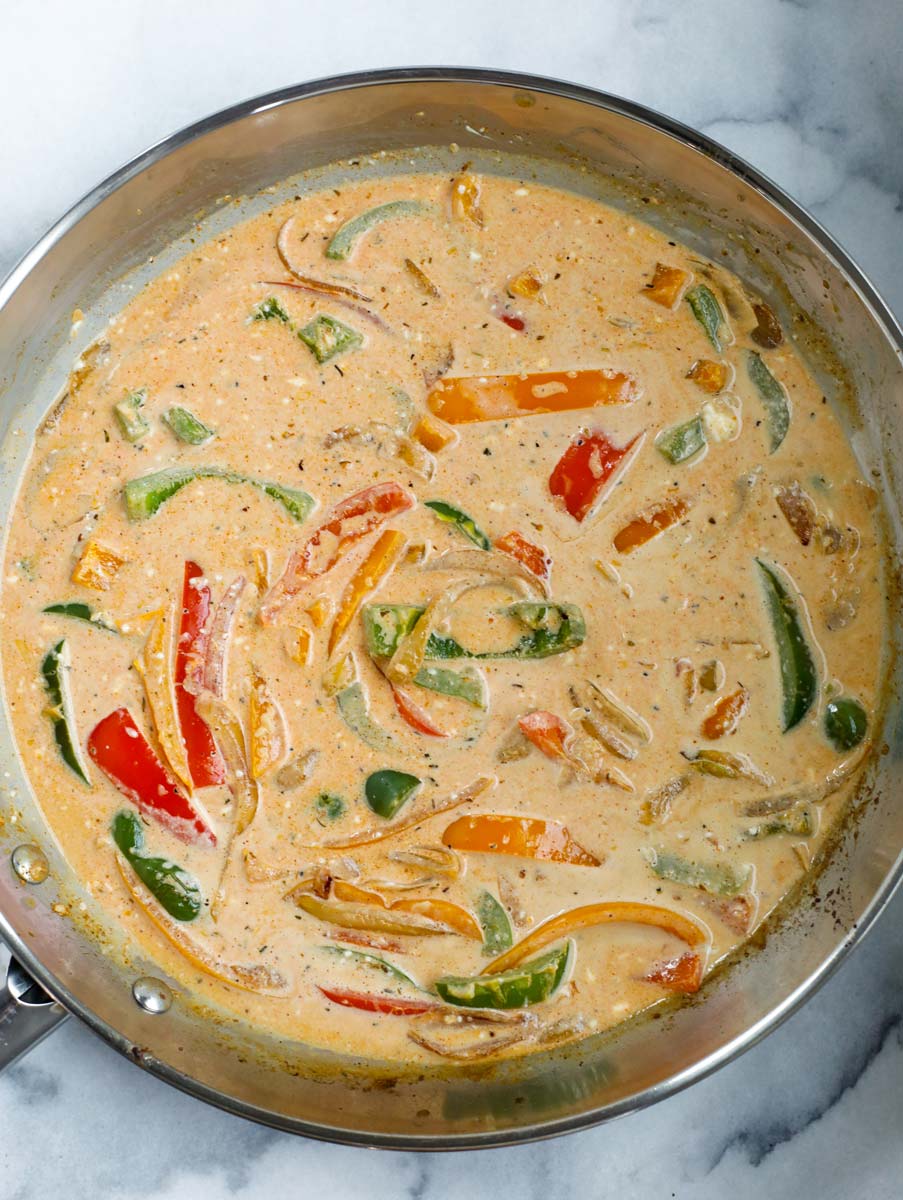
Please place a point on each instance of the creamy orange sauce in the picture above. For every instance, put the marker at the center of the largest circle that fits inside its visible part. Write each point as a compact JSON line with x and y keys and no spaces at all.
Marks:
{"x":493,"y":278}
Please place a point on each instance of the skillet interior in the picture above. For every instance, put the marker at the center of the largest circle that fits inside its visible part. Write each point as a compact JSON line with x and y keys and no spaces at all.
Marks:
{"x":123,"y":234}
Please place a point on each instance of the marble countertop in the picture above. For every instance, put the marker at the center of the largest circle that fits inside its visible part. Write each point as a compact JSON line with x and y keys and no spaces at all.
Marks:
{"x":810,"y":92}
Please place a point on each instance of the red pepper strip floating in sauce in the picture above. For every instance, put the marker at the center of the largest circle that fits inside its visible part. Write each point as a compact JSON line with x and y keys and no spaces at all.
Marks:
{"x":726,"y":715}
{"x":535,"y":558}
{"x":589,"y":915}
{"x":204,"y":762}
{"x":644,"y":528}
{"x":585,"y":469}
{"x":525,"y":837}
{"x":682,"y":974}
{"x":412,"y":714}
{"x":396,"y":1006}
{"x":125,"y":756}
{"x":351,"y":519}
{"x":460,"y":401}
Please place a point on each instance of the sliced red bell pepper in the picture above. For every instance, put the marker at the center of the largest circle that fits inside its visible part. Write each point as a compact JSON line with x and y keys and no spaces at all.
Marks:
{"x":396,"y":1006}
{"x":584,"y":470}
{"x":126,"y":757}
{"x":350,"y":520}
{"x":535,"y":558}
{"x":412,"y":714}
{"x":204,"y":761}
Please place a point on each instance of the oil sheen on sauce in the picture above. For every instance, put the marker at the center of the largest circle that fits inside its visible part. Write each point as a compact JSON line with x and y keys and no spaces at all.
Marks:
{"x":642,"y":547}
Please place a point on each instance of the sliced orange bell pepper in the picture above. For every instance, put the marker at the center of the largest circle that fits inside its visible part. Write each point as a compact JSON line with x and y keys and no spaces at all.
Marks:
{"x":709,"y":376}
{"x":98,"y":566}
{"x":465,"y":199}
{"x":535,"y":558}
{"x":548,"y":733}
{"x":525,"y":837}
{"x":269,"y":733}
{"x":460,"y":400}
{"x":384,"y":554}
{"x":650,"y":524}
{"x":667,"y":285}
{"x":726,"y":715}
{"x":367,"y":916}
{"x":682,"y":974}
{"x":589,"y":915}
{"x":433,"y":435}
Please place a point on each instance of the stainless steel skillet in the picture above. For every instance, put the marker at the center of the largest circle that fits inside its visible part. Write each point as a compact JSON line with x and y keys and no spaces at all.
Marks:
{"x":666,"y":173}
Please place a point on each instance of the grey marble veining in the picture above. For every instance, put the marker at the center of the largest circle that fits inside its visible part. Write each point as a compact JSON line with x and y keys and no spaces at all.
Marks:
{"x":810,"y":93}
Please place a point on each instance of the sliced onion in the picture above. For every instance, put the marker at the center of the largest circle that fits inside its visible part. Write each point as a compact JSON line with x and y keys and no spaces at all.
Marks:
{"x":214,"y":675}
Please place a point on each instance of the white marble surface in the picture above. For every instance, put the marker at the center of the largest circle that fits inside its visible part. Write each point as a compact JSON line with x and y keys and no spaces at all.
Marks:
{"x":808,"y":91}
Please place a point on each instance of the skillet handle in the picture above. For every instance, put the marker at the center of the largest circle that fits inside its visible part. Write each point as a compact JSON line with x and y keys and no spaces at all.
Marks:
{"x":27,"y":1014}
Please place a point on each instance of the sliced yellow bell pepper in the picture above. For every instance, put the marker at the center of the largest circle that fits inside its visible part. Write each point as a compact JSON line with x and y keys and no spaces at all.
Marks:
{"x":269,"y":735}
{"x":155,"y":668}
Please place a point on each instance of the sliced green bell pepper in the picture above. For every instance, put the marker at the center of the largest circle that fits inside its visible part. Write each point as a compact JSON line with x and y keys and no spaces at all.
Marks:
{"x":187,"y":427}
{"x":270,"y":310}
{"x":348,"y":235}
{"x":497,"y":935}
{"x":327,"y":337}
{"x":530,"y":983}
{"x":773,"y":397}
{"x":553,"y":629}
{"x":371,"y":960}
{"x":846,"y":723}
{"x":132,"y":423}
{"x":799,"y":678}
{"x":79,"y":612}
{"x":681,"y":442}
{"x":172,"y":886}
{"x":352,"y":706}
{"x":55,"y":669}
{"x":329,"y":805}
{"x":465,"y":684}
{"x":145,"y":495}
{"x":799,"y":824}
{"x":462,"y":522}
{"x":387,"y":791}
{"x":707,"y":312}
{"x":720,"y":878}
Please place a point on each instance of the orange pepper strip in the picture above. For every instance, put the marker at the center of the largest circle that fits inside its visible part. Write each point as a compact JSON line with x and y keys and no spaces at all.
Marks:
{"x":588,"y":915}
{"x":548,"y":733}
{"x":453,"y":915}
{"x":726,"y":715}
{"x":460,"y":401}
{"x":98,"y":566}
{"x":708,"y":376}
{"x":644,"y":528}
{"x":383,"y":556}
{"x":465,"y":199}
{"x":432,"y":435}
{"x":526,"y":837}
{"x":257,"y":978}
{"x":667,"y":285}
{"x":535,"y":558}
{"x":682,"y":974}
